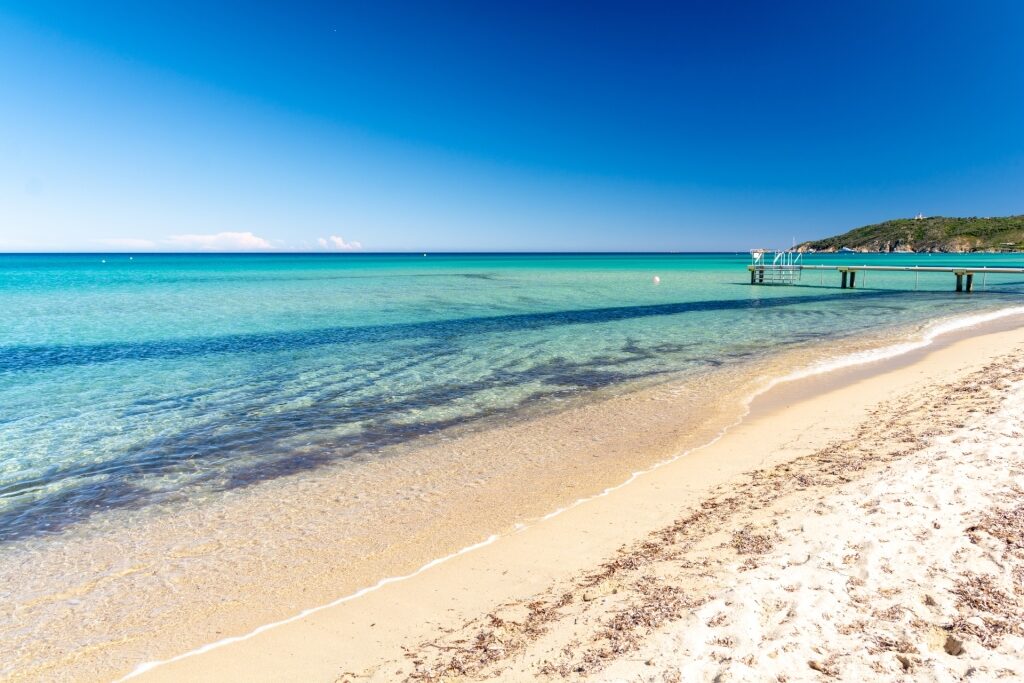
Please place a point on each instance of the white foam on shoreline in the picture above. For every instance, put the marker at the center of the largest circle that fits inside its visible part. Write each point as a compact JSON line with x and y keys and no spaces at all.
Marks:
{"x":927,"y":337}
{"x":148,"y":666}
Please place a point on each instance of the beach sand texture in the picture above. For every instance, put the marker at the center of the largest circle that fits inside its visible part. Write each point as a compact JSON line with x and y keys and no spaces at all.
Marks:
{"x":858,"y":525}
{"x":915,"y":571}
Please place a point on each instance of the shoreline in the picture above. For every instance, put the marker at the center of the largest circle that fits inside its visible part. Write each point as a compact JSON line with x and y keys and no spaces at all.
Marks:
{"x":902,"y":356}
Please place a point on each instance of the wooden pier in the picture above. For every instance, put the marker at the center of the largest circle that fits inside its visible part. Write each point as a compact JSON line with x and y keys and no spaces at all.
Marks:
{"x":848,"y":274}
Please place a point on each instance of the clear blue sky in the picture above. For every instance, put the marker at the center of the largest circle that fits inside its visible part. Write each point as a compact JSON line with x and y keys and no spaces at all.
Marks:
{"x":500,"y":126}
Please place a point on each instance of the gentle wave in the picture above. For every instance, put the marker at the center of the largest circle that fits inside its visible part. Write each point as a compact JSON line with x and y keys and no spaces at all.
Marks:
{"x":929,"y":335}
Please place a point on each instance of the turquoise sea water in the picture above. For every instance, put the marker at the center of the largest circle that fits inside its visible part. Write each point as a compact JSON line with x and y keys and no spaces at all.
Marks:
{"x":126,"y":380}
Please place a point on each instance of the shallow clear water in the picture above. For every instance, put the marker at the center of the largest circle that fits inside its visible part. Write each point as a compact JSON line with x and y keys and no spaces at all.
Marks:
{"x":129,"y":380}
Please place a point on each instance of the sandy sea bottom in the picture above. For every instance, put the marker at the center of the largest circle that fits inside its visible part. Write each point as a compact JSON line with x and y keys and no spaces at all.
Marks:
{"x":136,"y":585}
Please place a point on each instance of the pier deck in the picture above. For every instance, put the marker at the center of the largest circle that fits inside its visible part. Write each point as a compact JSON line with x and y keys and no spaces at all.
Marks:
{"x":964,"y":274}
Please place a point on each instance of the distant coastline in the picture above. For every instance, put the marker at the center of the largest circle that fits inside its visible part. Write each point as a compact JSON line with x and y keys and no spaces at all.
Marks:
{"x":932,"y":234}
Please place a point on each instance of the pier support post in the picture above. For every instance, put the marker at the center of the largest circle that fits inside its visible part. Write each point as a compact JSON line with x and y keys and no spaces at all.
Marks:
{"x":753,"y":276}
{"x":760,"y":275}
{"x":959,"y":282}
{"x":844,"y":278}
{"x":970,"y":282}
{"x":853,"y":279}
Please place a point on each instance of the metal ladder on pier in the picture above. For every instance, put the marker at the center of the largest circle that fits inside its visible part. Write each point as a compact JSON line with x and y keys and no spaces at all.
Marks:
{"x":784,"y":269}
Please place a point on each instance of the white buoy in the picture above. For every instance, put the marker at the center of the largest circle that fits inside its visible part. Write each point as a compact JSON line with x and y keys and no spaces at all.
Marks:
{"x":657,"y":280}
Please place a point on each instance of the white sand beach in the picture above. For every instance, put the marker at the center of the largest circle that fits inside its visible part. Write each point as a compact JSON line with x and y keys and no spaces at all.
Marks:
{"x":915,"y":571}
{"x":857,"y":524}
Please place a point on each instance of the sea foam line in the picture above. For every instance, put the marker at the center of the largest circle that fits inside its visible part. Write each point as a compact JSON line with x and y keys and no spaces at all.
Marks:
{"x":148,"y":666}
{"x":929,"y":335}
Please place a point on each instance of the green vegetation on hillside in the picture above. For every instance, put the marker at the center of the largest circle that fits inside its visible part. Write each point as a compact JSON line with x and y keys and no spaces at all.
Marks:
{"x":935,"y":233}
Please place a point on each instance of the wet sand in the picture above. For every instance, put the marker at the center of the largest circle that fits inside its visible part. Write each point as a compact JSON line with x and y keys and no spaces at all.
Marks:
{"x":549,"y":598}
{"x":96,"y":598}
{"x":131,"y":586}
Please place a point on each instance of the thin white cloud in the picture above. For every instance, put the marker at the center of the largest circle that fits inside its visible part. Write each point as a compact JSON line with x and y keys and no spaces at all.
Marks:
{"x":221,"y":241}
{"x":127,"y":243}
{"x":338,"y":243}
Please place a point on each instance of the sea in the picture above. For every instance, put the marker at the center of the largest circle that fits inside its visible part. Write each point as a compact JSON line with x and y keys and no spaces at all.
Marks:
{"x":131,"y":382}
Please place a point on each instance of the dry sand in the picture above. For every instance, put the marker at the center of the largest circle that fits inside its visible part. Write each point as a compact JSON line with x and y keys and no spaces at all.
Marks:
{"x":859,"y":524}
{"x":914,"y":571}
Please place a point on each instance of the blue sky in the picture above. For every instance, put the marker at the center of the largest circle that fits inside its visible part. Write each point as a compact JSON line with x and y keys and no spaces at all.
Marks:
{"x":500,"y":126}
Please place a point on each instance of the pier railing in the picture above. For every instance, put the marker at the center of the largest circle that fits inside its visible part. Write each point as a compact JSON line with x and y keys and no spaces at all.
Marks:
{"x":765,"y":273}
